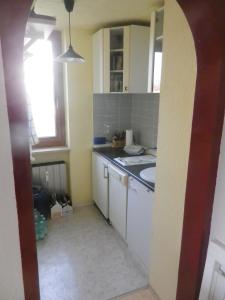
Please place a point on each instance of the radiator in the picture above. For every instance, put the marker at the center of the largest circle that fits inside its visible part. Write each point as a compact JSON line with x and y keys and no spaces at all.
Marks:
{"x":51,"y":175}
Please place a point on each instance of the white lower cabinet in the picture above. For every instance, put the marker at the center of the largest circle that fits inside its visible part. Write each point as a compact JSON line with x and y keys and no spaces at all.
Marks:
{"x":100,"y":183}
{"x":126,"y":203}
{"x":139,"y":219}
{"x":118,"y":200}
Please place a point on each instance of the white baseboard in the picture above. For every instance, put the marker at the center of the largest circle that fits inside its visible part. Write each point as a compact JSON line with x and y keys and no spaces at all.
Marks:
{"x":82,"y":204}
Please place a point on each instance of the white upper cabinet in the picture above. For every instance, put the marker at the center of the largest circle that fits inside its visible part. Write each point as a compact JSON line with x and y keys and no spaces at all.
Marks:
{"x":121,"y":59}
{"x":155,"y":51}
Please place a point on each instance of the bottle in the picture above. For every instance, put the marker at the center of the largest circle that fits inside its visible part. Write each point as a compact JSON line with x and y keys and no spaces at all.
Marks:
{"x":41,"y":229}
{"x":56,"y":211}
{"x":37,"y":231}
{"x":45,"y":224}
{"x":35,"y":215}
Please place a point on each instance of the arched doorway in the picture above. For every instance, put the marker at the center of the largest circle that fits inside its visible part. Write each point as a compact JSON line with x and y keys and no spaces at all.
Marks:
{"x":208,"y":33}
{"x":206,"y":20}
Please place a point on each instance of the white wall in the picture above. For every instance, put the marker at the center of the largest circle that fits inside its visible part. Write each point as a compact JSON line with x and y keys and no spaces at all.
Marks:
{"x":218,"y":217}
{"x":80,"y":107}
{"x":175,"y":121}
{"x":11,"y":282}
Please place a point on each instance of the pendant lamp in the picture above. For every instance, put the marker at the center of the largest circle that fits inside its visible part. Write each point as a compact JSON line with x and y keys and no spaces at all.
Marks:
{"x":70,"y":55}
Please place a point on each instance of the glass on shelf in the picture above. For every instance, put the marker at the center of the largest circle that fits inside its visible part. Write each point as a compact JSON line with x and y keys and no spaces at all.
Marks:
{"x":116,"y":82}
{"x":116,"y":38}
{"x":116,"y":61}
{"x":159,"y":24}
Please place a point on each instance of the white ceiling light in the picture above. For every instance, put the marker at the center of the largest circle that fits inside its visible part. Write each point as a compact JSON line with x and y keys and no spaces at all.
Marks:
{"x":70,"y":55}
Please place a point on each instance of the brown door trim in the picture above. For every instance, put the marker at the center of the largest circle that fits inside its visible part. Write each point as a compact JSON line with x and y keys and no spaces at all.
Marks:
{"x":206,"y":19}
{"x":13,"y":18}
{"x":207,"y":22}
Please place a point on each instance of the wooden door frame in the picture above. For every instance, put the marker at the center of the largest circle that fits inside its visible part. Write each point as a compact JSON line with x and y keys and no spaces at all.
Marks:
{"x":13,"y":19}
{"x":206,"y":20}
{"x":208,"y":33}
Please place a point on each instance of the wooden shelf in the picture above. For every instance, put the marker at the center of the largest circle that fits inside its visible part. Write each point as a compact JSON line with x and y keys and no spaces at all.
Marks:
{"x":159,"y":38}
{"x":116,"y":71}
{"x":116,"y":50}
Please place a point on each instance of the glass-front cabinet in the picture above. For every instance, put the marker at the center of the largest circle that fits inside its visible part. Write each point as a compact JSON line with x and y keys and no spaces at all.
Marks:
{"x":116,"y":37}
{"x":120,"y":59}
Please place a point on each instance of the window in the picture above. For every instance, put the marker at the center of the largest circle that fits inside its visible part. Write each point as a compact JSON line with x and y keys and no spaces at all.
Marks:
{"x":157,"y":72}
{"x":44,"y":86}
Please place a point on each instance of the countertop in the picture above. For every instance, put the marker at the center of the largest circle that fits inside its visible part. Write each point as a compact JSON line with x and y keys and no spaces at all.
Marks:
{"x":134,"y":171}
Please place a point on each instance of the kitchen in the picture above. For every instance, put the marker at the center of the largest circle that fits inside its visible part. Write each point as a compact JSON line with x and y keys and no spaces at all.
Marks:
{"x":124,"y":177}
{"x":125,"y":116}
{"x":172,"y":275}
{"x":173,"y":115}
{"x":190,"y":120}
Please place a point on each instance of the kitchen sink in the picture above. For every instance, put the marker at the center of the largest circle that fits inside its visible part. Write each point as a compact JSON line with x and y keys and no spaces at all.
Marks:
{"x":148,"y":174}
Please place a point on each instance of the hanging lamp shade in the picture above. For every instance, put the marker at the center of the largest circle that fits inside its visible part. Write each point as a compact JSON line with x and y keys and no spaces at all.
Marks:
{"x":70,"y":55}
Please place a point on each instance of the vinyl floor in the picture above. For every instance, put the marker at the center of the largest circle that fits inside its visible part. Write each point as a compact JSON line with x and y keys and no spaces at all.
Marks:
{"x":84,"y":258}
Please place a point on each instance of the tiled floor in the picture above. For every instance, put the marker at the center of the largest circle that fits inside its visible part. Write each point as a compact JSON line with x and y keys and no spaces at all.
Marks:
{"x":142,"y":294}
{"x":83,"y":258}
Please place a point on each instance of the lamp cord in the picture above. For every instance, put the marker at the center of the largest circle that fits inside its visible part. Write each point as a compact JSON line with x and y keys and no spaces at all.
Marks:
{"x":69,"y":30}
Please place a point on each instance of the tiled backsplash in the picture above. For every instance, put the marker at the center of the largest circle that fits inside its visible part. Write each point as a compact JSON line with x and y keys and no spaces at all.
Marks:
{"x":111,"y":111}
{"x":114,"y":112}
{"x":144,"y":118}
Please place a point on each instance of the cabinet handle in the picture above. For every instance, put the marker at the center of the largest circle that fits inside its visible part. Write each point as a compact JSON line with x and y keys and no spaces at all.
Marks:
{"x":133,"y":189}
{"x":105,"y":172}
{"x":221,"y":271}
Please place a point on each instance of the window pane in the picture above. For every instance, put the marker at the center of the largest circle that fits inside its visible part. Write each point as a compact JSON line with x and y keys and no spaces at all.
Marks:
{"x":157,"y":72}
{"x":39,"y":81}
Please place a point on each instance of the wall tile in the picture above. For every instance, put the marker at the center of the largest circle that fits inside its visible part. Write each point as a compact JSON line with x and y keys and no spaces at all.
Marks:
{"x":121,"y":112}
{"x":113,"y":110}
{"x":144,"y":118}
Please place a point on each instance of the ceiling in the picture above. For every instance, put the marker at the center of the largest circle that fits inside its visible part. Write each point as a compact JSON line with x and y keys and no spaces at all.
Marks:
{"x":94,"y":14}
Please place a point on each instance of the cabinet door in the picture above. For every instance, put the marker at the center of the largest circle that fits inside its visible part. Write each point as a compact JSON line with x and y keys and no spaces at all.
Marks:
{"x":126,"y":59}
{"x":95,"y":184}
{"x":139,"y":221}
{"x":100,"y":183}
{"x":115,"y":62}
{"x":106,"y":60}
{"x":98,"y":62}
{"x":138,"y":59}
{"x":118,"y":200}
{"x":101,"y":61}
